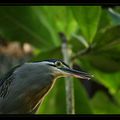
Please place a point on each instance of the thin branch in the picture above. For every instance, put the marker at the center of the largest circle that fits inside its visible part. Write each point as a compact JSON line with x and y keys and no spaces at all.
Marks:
{"x":68,"y":81}
{"x":80,"y":53}
{"x":81,"y":39}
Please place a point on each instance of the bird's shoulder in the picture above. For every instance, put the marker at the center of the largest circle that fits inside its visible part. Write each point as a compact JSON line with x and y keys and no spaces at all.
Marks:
{"x":6,"y":80}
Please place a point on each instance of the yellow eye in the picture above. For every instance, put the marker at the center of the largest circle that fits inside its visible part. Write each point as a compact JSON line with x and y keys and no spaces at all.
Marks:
{"x":58,"y":64}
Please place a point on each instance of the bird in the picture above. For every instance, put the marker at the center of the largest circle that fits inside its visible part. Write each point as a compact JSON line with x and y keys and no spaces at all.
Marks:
{"x":23,"y":88}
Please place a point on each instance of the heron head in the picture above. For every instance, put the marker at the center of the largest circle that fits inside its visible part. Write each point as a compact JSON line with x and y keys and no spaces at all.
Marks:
{"x":61,"y":69}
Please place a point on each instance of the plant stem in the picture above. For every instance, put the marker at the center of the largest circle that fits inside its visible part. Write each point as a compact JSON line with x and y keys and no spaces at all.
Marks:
{"x":68,"y":81}
{"x":80,"y":53}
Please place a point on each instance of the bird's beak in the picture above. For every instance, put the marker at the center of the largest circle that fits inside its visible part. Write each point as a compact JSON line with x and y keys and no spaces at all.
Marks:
{"x":76,"y":73}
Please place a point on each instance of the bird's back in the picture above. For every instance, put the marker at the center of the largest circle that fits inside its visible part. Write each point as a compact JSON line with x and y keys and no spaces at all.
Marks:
{"x":23,"y":88}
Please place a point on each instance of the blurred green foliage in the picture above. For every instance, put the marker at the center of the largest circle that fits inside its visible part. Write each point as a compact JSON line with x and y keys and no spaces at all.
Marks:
{"x":90,"y":28}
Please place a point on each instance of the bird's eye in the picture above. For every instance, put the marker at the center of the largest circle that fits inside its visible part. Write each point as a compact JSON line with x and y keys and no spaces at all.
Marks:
{"x":58,"y":64}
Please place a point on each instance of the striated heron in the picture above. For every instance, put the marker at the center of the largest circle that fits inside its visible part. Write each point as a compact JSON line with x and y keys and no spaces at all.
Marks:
{"x":23,"y":88}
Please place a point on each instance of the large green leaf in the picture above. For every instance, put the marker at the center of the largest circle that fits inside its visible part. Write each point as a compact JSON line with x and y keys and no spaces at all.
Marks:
{"x":82,"y":105}
{"x":104,"y":21}
{"x":117,"y":97}
{"x":77,"y":43}
{"x":105,"y":50}
{"x":27,"y":24}
{"x":109,"y":80}
{"x":102,"y":104}
{"x":61,"y":19}
{"x":108,"y":38}
{"x":88,"y":19}
{"x":104,"y":62}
